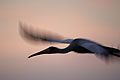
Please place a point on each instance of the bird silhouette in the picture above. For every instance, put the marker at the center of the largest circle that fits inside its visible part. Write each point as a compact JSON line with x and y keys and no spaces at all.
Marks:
{"x":78,"y":45}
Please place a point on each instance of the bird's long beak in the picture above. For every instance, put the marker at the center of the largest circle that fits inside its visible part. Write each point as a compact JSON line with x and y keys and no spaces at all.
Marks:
{"x":39,"y":53}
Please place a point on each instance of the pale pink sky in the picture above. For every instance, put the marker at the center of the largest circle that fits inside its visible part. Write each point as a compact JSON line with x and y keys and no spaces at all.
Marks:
{"x":98,"y":20}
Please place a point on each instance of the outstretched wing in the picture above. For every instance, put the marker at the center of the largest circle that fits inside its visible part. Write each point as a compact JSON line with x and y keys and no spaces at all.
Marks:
{"x":93,"y":47}
{"x":105,"y":53}
{"x":35,"y":35}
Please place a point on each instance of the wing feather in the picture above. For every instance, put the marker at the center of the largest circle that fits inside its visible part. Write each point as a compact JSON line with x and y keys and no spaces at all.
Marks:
{"x":36,"y":36}
{"x":93,"y":47}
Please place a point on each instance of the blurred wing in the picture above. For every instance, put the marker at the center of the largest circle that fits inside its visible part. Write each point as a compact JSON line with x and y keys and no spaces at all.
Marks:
{"x":35,"y":35}
{"x":93,"y":47}
{"x":100,"y":51}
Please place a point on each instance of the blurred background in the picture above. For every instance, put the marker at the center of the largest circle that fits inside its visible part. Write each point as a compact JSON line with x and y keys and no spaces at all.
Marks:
{"x":97,"y":20}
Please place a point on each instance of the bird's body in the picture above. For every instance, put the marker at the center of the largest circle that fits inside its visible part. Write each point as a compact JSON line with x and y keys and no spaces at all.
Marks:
{"x":81,"y":46}
{"x":78,"y":45}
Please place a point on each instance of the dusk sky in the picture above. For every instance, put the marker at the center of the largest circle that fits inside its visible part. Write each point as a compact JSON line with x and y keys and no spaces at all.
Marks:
{"x":97,"y":20}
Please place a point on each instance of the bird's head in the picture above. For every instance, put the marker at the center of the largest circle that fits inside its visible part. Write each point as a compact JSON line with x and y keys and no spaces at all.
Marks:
{"x":49,"y":50}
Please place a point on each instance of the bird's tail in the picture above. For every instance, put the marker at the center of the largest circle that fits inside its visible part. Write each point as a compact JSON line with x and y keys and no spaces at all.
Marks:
{"x":113,"y":51}
{"x":35,"y":35}
{"x":114,"y":55}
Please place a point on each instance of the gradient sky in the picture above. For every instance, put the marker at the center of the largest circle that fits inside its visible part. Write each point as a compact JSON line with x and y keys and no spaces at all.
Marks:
{"x":98,"y":20}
